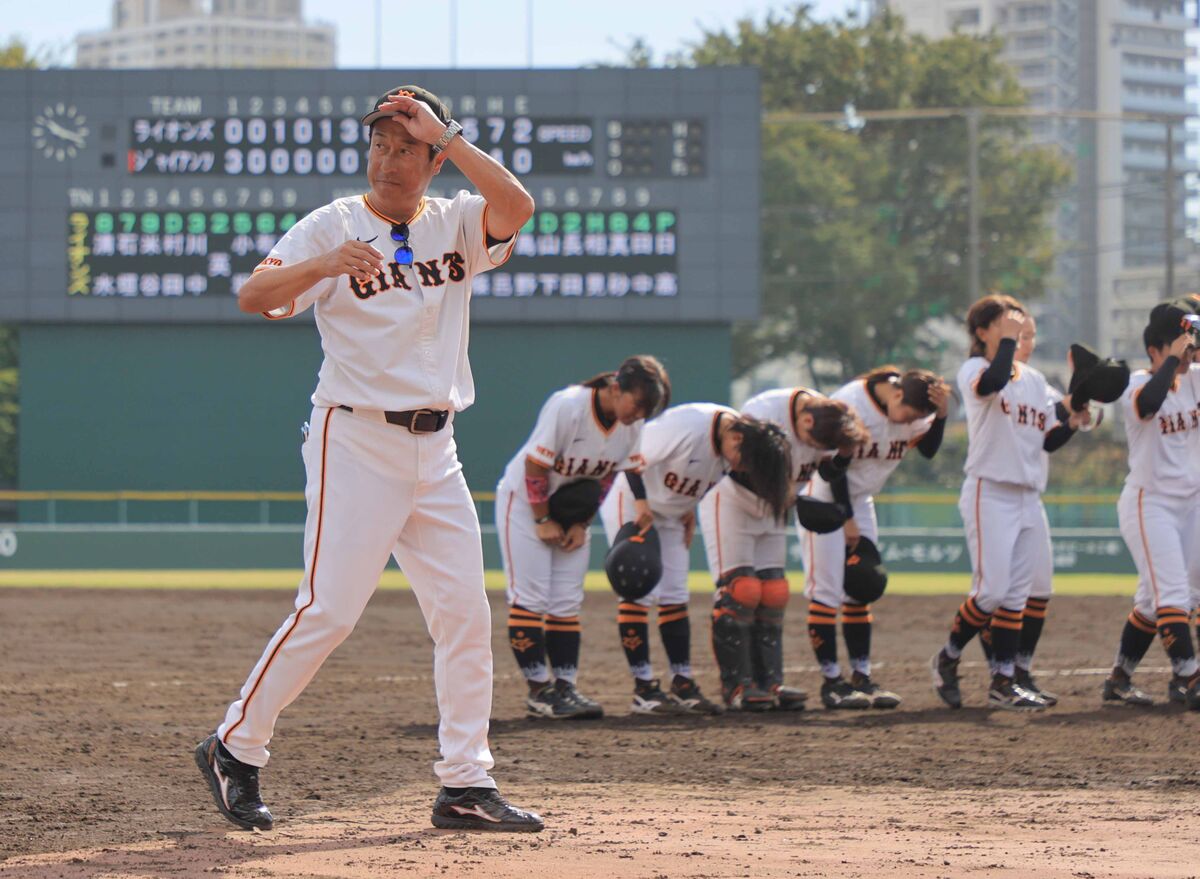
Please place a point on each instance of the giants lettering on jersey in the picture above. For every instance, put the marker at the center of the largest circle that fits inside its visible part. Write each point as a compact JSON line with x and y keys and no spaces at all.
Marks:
{"x":1034,"y":418}
{"x":584,"y":467}
{"x":896,"y":450}
{"x":1179,"y":422}
{"x":430,"y":272}
{"x":684,"y":486}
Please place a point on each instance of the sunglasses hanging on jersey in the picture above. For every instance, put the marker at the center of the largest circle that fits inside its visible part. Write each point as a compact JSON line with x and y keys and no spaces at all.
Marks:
{"x":404,"y":252}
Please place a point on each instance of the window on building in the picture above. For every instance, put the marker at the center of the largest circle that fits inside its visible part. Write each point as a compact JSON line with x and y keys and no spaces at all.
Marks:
{"x":968,"y":18}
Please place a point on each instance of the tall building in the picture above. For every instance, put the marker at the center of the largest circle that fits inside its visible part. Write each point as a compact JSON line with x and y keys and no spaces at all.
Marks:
{"x":208,"y":33}
{"x":1111,"y":57}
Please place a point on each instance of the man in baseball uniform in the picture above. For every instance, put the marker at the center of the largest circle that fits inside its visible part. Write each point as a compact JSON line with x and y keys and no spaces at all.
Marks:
{"x":388,"y":275}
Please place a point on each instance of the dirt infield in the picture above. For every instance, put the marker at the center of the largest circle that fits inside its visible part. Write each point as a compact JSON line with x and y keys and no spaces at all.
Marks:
{"x":104,"y":693}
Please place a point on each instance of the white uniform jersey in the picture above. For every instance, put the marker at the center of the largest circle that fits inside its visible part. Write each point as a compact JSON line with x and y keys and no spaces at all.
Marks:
{"x":399,"y":341}
{"x":569,"y":439}
{"x":1164,"y":449}
{"x":1005,"y":431}
{"x":682,"y":459}
{"x":778,"y":407}
{"x":874,"y":462}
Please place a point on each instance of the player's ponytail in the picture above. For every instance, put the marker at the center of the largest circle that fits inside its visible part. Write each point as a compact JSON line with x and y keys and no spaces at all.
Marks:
{"x":643,"y":376}
{"x":983,"y":313}
{"x":765,"y":463}
{"x":835,"y":425}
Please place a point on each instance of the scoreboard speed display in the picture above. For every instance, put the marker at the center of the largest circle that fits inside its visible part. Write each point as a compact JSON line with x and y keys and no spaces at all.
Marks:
{"x":151,"y":195}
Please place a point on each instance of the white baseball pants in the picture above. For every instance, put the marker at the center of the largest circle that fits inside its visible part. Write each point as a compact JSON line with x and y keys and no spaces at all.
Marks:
{"x":375,"y":489}
{"x":617,"y":509}
{"x":1008,"y":538}
{"x":1163,"y":535}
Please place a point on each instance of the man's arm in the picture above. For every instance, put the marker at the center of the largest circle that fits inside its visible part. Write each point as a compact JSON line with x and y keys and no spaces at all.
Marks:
{"x":509,"y":204}
{"x":274,"y":288}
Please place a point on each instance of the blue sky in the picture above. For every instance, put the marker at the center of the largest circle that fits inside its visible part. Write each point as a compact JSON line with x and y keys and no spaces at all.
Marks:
{"x":566,"y":33}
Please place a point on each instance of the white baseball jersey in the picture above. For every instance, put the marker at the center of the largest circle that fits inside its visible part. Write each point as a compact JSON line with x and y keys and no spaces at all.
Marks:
{"x":874,"y":462}
{"x":569,"y":439}
{"x":1164,"y":449}
{"x":398,"y":341}
{"x":1005,"y":431}
{"x":779,"y":407}
{"x":682,"y":459}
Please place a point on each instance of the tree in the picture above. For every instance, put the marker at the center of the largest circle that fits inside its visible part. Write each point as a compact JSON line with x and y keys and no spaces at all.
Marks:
{"x":865,"y":226}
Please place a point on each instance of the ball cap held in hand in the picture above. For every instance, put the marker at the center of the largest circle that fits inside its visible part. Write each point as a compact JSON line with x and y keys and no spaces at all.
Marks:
{"x":1095,"y":378}
{"x":634,"y":562}
{"x":866,"y":577}
{"x":440,"y":110}
{"x":1170,"y":320}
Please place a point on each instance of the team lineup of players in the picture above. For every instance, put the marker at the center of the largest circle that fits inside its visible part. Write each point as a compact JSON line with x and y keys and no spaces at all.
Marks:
{"x":656,"y":473}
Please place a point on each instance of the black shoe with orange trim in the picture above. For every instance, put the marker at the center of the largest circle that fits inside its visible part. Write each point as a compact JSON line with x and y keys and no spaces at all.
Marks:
{"x":234,"y":786}
{"x":880,"y":698}
{"x":648,"y":698}
{"x":1025,"y":680}
{"x":685,"y":693}
{"x":837,"y":693}
{"x":789,"y":698}
{"x":482,"y":808}
{"x":748,"y":697}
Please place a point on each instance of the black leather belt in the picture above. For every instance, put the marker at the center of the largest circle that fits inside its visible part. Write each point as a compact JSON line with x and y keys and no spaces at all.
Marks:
{"x":416,"y":420}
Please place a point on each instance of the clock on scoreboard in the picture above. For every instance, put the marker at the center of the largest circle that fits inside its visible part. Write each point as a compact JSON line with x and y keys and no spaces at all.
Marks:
{"x":148,"y":197}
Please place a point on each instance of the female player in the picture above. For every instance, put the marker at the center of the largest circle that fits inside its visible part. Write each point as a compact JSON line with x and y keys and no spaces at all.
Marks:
{"x":1012,"y":418}
{"x":746,"y":544}
{"x":901,"y":410}
{"x":1159,"y":508}
{"x":685,"y":450}
{"x":589,"y":431}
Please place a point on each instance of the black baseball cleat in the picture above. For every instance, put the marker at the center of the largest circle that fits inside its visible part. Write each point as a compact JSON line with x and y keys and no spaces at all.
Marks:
{"x":1192,"y":695}
{"x":945,"y":678}
{"x":685,"y":693}
{"x":837,"y":693}
{"x":1024,"y":680}
{"x":482,"y":808}
{"x":648,"y":698}
{"x":234,"y":786}
{"x":589,"y":709}
{"x":1007,"y":695}
{"x":748,"y":697}
{"x":880,"y":698}
{"x":1177,"y":690}
{"x":549,"y":703}
{"x":1122,"y":691}
{"x":789,"y":698}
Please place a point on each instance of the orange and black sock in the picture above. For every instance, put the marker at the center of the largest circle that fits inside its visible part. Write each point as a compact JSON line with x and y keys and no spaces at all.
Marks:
{"x":856,"y":630}
{"x":634,"y":631}
{"x":822,"y":633}
{"x":527,"y":638}
{"x":1032,"y":624}
{"x":1136,"y":638}
{"x":563,"y":637}
{"x":676,"y":632}
{"x":967,"y":623}
{"x":1177,"y":639}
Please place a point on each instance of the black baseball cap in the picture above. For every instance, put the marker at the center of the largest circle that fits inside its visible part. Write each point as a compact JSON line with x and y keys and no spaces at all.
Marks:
{"x":1170,"y":320}
{"x":440,"y":110}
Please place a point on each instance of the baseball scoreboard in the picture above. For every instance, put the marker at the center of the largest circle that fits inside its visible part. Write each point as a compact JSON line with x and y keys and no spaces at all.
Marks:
{"x":150,"y":196}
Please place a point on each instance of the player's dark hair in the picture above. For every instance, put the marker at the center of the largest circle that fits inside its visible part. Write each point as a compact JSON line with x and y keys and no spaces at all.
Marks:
{"x":766,"y":463}
{"x":984,"y":312}
{"x":835,"y":424}
{"x":643,"y":376}
{"x":914,"y":389}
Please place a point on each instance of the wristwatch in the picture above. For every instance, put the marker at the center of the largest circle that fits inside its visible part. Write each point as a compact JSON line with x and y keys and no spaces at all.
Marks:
{"x":543,"y":520}
{"x":452,"y":129}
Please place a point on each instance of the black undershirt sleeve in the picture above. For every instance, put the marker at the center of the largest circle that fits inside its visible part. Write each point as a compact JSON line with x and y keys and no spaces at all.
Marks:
{"x":840,"y":486}
{"x":996,"y":376}
{"x":929,"y":444}
{"x":1154,"y":392}
{"x":636,"y":485}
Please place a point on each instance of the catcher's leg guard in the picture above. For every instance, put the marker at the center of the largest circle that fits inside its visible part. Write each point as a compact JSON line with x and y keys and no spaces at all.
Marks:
{"x":767,"y":651}
{"x":738,"y":595}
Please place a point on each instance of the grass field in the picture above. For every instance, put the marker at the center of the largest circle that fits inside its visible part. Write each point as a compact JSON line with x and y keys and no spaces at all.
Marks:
{"x":899,"y":583}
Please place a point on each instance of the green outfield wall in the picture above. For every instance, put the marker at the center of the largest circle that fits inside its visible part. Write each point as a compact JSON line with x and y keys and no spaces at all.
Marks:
{"x":219,"y":407}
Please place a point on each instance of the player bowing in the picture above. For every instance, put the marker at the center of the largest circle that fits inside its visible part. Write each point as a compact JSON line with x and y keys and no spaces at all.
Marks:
{"x":686,"y":450}
{"x":900,"y":410}
{"x":745,"y":541}
{"x":585,"y":433}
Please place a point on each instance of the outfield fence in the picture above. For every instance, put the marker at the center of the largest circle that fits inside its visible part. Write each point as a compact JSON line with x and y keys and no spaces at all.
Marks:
{"x":920,"y":531}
